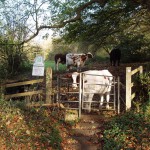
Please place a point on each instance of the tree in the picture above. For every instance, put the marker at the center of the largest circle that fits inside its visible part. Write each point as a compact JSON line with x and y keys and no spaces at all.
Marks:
{"x":54,"y":14}
{"x":111,"y":26}
{"x":100,"y":23}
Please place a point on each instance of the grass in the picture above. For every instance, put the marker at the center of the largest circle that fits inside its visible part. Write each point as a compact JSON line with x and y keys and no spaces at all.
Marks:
{"x":52,"y":65}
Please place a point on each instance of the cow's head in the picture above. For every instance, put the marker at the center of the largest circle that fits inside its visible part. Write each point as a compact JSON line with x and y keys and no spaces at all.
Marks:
{"x":75,"y":78}
{"x":85,"y":57}
{"x":89,"y":55}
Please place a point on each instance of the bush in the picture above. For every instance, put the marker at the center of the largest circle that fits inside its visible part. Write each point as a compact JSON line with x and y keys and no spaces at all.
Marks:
{"x":128,"y":131}
{"x":142,"y":89}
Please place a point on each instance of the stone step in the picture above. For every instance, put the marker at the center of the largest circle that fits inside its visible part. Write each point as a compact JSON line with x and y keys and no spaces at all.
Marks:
{"x":105,"y":115}
{"x":87,"y":125}
{"x":91,"y":118}
{"x":83,"y":143}
{"x":85,"y":132}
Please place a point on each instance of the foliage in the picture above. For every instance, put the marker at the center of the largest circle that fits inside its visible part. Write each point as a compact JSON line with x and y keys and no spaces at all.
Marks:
{"x":142,"y":88}
{"x":135,"y":47}
{"x":119,"y":23}
{"x":128,"y":131}
{"x":24,"y":128}
{"x":94,"y":24}
{"x":13,"y":58}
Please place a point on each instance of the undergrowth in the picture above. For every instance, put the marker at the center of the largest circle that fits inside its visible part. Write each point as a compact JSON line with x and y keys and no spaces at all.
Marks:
{"x":130,"y":131}
{"x":24,"y":128}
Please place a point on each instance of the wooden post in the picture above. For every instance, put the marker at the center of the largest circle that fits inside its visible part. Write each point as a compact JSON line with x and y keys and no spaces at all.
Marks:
{"x":48,"y":85}
{"x":141,"y":69}
{"x":128,"y":88}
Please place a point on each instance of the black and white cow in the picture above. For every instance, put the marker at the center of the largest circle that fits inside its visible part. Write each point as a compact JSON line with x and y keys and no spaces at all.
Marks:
{"x":95,"y":81}
{"x":78,"y":60}
{"x":72,"y":59}
{"x":59,"y":58}
{"x":115,"y":56}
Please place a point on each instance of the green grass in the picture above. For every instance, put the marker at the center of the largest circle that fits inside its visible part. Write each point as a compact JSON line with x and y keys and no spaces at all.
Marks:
{"x":52,"y":65}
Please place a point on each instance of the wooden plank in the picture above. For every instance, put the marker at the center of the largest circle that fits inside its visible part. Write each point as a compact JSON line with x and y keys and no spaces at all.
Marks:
{"x":134,"y":71}
{"x":24,"y":94}
{"x":24,"y":83}
{"x":139,"y":69}
{"x":46,"y":105}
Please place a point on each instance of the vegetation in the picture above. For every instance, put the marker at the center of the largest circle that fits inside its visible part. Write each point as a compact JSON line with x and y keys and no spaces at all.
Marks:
{"x":82,"y":26}
{"x":23,"y":128}
{"x":128,"y":131}
{"x":142,"y":90}
{"x":86,"y":25}
{"x":131,"y":130}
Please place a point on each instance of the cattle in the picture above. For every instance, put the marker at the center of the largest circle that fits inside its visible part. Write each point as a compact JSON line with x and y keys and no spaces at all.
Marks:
{"x":95,"y":82}
{"x":77,"y":60}
{"x":59,"y":58}
{"x":115,"y":56}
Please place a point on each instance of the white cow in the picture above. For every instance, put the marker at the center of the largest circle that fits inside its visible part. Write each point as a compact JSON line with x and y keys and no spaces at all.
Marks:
{"x":95,"y":81}
{"x":78,"y":60}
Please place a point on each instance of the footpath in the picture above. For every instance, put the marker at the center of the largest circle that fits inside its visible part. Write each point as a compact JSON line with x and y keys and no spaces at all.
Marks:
{"x":86,"y":134}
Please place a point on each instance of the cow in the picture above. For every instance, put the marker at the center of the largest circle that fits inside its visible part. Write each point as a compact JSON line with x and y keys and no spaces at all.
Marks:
{"x":95,"y":82}
{"x":77,"y":60}
{"x":115,"y":56}
{"x":59,"y":58}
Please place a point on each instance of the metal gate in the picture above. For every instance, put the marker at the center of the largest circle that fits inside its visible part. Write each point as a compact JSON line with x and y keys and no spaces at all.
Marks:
{"x":72,"y":99}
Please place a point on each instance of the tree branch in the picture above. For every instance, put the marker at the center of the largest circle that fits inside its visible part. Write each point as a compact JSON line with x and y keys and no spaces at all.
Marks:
{"x":62,"y":24}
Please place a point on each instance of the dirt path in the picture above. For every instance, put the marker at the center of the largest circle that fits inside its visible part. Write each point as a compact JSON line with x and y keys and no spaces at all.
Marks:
{"x":86,"y":133}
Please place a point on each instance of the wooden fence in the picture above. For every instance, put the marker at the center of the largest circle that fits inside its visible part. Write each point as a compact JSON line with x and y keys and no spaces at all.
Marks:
{"x":47,"y":89}
{"x":129,"y":84}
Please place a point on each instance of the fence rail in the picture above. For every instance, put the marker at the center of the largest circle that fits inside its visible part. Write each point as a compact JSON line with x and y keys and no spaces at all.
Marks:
{"x":24,"y":83}
{"x":129,"y":84}
{"x":47,"y":92}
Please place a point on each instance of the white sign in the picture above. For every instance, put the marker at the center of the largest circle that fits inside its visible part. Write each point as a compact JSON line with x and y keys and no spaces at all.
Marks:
{"x":38,"y":71}
{"x":39,"y":61}
{"x":38,"y":66}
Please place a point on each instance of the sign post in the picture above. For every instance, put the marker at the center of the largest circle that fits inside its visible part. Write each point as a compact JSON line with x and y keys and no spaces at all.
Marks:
{"x":38,"y":66}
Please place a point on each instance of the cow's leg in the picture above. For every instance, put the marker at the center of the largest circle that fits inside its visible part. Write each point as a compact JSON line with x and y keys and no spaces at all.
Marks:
{"x":101,"y":101}
{"x":107,"y":100}
{"x":68,"y":67}
{"x":78,"y":66}
{"x":88,"y":98}
{"x":57,"y":64}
